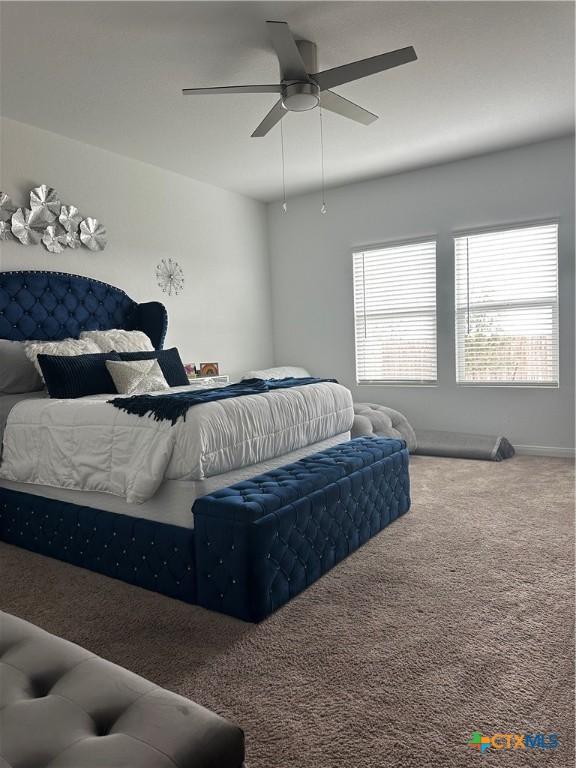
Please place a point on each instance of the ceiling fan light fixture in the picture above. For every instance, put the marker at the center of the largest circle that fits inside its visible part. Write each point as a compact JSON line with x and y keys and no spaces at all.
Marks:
{"x":302,"y":87}
{"x":300,"y":97}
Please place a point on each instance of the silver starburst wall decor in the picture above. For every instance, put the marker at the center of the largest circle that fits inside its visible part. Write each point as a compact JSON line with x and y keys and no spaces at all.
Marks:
{"x":47,"y":221}
{"x":170,"y":277}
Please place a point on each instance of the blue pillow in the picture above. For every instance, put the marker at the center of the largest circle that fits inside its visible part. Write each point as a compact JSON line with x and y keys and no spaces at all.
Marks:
{"x":69,"y":376}
{"x":169,"y":361}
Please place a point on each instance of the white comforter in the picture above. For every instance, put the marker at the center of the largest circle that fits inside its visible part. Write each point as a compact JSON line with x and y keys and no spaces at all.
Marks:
{"x":87,"y":444}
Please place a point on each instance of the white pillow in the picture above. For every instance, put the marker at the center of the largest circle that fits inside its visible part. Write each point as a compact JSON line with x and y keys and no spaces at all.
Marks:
{"x":117,"y":340}
{"x":137,"y":376}
{"x":66,"y":347}
{"x":280,"y":372}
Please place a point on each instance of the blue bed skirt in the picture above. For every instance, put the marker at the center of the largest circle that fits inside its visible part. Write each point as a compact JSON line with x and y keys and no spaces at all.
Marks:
{"x":148,"y":554}
{"x":255,"y":545}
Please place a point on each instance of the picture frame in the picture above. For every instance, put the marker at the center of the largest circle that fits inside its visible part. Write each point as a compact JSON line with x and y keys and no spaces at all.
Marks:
{"x":209,"y":369}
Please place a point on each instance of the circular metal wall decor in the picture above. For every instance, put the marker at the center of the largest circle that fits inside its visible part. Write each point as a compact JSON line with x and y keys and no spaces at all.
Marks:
{"x":93,"y":234}
{"x":71,"y":240}
{"x":70,"y":218}
{"x":7,"y":207}
{"x":45,"y":197}
{"x":54,"y":238}
{"x":6,"y":231}
{"x":29,"y":226}
{"x":170,"y":277}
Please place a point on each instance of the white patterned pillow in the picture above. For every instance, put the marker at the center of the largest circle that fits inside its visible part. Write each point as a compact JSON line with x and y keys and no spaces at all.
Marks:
{"x":137,"y":376}
{"x":66,"y":347}
{"x":117,"y":340}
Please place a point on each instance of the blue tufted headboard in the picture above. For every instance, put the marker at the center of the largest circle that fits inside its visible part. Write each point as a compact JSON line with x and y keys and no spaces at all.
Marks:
{"x":56,"y":305}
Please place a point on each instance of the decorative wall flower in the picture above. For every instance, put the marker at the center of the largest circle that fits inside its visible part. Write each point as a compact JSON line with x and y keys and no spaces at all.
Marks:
{"x":29,"y":226}
{"x":45,"y":197}
{"x":54,"y":238}
{"x":57,"y":226}
{"x":170,"y":277}
{"x":70,"y":218}
{"x":72,"y":240}
{"x":93,"y":234}
{"x":6,"y":231}
{"x":7,"y":207}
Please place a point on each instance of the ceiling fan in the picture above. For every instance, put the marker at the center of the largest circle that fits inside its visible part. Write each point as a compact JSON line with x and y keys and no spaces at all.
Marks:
{"x":302,"y":87}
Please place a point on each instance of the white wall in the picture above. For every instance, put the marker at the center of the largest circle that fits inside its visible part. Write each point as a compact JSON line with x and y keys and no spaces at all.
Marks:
{"x":218,"y":237}
{"x":312,"y":281}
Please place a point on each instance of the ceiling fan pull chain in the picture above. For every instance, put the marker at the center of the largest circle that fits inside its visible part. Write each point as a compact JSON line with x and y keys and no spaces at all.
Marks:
{"x":284,"y":203}
{"x":323,"y":208}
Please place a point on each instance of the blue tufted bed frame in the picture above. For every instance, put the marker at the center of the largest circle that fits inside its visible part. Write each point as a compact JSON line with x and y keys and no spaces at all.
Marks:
{"x":254,"y":546}
{"x":57,"y":305}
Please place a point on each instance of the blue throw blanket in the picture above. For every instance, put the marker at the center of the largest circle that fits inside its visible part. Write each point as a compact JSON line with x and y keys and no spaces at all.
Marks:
{"x":171,"y":406}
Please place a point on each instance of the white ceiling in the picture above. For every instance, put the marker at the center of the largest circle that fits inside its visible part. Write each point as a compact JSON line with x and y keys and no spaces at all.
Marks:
{"x":489,"y":75}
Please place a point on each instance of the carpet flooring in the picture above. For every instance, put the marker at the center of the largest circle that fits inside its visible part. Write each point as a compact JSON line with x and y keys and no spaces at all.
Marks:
{"x":456,"y":618}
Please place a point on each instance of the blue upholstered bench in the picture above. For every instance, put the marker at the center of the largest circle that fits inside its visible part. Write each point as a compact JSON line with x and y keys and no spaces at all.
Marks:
{"x":263,"y":541}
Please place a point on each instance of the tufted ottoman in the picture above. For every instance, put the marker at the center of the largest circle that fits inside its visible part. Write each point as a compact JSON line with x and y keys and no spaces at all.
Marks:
{"x":261,"y":542}
{"x":381,"y":421}
{"x":63,"y":707}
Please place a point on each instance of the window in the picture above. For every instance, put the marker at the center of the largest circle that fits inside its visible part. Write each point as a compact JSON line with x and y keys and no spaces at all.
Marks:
{"x":507,"y":307}
{"x":395,"y":314}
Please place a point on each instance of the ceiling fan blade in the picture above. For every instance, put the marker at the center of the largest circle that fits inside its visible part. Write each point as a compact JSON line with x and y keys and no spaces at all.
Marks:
{"x":276,"y":114}
{"x":333,"y":102}
{"x":291,"y":64}
{"x":233,"y":89}
{"x":330,"y":78}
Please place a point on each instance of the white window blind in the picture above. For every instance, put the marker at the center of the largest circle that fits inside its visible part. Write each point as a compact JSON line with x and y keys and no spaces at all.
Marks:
{"x":507,"y":307}
{"x":395,"y":313}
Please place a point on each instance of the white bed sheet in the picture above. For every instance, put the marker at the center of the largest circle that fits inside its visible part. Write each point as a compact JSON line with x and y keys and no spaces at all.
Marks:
{"x":172,"y":502}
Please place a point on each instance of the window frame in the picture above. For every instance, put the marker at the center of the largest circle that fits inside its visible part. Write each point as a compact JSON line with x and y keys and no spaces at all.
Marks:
{"x":471,"y":232}
{"x":379,"y":247}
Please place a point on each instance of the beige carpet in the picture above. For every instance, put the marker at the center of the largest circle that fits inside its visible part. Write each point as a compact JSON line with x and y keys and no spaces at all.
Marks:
{"x":457,"y":618}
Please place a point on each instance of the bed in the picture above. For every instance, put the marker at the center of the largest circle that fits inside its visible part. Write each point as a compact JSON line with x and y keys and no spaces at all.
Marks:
{"x":138,"y":525}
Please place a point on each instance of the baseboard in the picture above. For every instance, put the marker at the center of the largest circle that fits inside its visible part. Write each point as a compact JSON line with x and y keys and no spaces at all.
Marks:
{"x":544,"y":450}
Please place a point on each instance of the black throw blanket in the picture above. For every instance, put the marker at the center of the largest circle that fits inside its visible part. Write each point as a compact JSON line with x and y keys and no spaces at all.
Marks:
{"x":171,"y":406}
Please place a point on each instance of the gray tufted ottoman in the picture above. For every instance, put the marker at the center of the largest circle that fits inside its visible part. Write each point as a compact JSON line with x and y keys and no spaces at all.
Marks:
{"x":372,"y":419}
{"x":63,"y":707}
